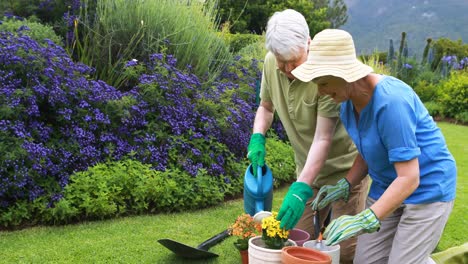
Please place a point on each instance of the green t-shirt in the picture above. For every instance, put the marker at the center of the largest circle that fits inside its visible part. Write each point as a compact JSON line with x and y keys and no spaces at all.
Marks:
{"x":298,"y":104}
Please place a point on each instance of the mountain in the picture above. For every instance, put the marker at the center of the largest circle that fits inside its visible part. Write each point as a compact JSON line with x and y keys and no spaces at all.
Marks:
{"x":374,"y":22}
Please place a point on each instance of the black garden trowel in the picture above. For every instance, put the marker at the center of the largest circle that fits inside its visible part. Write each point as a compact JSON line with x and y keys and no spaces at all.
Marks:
{"x":199,"y":252}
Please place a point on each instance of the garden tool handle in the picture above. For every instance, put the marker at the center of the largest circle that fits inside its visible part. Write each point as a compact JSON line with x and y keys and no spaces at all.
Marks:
{"x":205,"y":245}
{"x":317,"y":225}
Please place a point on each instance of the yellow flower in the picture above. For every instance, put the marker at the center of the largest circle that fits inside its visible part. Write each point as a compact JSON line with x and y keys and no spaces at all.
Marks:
{"x":273,"y":235}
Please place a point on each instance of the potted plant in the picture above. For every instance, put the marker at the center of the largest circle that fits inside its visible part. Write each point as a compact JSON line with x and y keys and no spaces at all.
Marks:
{"x":244,"y":228}
{"x":267,"y":247}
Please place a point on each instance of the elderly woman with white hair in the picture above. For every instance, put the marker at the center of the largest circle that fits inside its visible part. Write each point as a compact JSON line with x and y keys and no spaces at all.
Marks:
{"x":401,"y":148}
{"x":323,"y":151}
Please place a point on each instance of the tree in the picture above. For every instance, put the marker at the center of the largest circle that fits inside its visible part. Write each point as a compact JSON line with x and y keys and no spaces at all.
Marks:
{"x":251,"y":16}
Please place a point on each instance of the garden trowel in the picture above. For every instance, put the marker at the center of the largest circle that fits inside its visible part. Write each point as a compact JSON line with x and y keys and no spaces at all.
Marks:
{"x":199,"y":252}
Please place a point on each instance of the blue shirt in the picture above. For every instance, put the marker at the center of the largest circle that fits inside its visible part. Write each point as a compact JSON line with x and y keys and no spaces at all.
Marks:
{"x":395,"y":126}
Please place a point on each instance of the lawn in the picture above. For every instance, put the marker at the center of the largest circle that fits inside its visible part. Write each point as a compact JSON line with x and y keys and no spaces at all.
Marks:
{"x":134,"y":239}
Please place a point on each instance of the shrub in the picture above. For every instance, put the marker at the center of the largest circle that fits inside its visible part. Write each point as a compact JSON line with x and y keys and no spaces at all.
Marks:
{"x":426,"y":91}
{"x":452,"y":94}
{"x":53,"y":121}
{"x":433,"y":108}
{"x":47,"y":11}
{"x":280,"y":159}
{"x":193,"y":126}
{"x":254,"y":51}
{"x":126,"y":187}
{"x":238,"y":41}
{"x":35,"y":30}
{"x":462,"y":117}
{"x":444,"y":46}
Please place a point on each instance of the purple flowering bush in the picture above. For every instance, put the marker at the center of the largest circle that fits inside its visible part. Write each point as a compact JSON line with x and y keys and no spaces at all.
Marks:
{"x":196,"y":125}
{"x":53,"y":120}
{"x":55,"y":123}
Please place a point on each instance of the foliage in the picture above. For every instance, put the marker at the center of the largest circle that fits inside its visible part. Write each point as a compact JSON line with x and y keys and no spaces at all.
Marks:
{"x":238,"y":41}
{"x":256,"y":50}
{"x":280,"y":159}
{"x":426,"y":91}
{"x":47,"y":11}
{"x":433,"y":108}
{"x":375,"y":61}
{"x":195,"y":126}
{"x":244,"y":228}
{"x":426,"y":83}
{"x":130,"y":187}
{"x":273,"y":236}
{"x":444,"y":47}
{"x":425,"y":55}
{"x":53,"y":120}
{"x":35,"y":30}
{"x":20,"y":8}
{"x":252,"y":16}
{"x":409,"y":71}
{"x":453,"y":95}
{"x":128,"y":30}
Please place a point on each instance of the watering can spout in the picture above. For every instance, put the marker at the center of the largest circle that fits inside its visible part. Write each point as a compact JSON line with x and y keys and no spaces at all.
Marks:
{"x":258,"y":190}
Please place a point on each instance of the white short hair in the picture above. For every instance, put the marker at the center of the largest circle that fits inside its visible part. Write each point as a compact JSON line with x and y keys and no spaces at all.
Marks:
{"x":287,"y":33}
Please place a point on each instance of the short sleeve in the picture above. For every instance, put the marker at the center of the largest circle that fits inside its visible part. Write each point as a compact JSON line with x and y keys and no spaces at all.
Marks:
{"x":397,"y":122}
{"x":265,"y":86}
{"x":327,"y":107}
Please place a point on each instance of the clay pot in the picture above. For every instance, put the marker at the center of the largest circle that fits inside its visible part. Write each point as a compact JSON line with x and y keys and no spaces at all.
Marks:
{"x":302,"y":255}
{"x":299,"y":236}
{"x":244,"y":256}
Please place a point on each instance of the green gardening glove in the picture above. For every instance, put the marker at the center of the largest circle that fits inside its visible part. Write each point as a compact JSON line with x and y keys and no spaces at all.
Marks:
{"x":347,"y":226}
{"x":256,"y":151}
{"x":293,"y":205}
{"x":331,"y":193}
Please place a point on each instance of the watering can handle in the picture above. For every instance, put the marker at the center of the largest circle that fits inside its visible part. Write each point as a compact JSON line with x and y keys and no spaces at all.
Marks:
{"x":259,"y":204}
{"x":259,"y":180}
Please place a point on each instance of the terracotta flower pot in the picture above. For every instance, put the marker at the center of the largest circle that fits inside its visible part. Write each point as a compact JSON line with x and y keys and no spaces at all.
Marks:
{"x":299,"y":236}
{"x":244,"y":256}
{"x":302,"y":255}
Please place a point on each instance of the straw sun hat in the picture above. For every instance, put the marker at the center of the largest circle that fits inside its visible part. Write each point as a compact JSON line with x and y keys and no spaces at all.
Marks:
{"x":332,"y":52}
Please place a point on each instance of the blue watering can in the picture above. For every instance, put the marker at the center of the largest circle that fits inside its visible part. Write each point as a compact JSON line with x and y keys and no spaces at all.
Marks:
{"x":258,"y":191}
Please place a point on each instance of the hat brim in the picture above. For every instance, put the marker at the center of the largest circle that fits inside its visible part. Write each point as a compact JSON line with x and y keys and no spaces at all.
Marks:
{"x":308,"y":71}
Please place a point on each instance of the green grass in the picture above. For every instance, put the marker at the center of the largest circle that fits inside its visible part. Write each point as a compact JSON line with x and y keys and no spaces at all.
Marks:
{"x":457,"y":141}
{"x":134,"y":239}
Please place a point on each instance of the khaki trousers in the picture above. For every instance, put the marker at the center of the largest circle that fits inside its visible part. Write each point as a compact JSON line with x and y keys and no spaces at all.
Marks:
{"x":355,"y":204}
{"x":408,"y":235}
